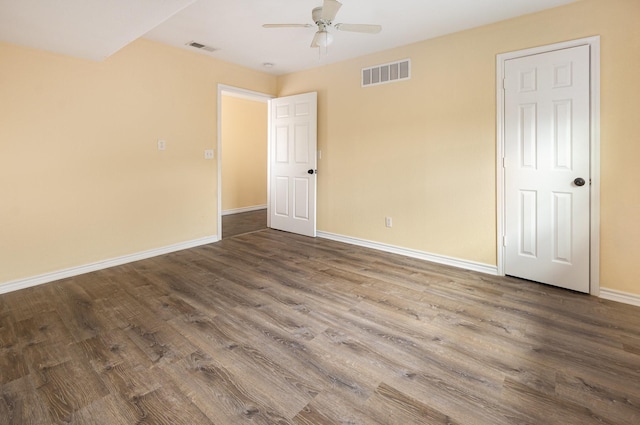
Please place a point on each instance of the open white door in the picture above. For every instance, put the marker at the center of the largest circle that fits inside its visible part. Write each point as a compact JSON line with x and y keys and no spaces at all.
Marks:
{"x":547,"y":167}
{"x":292,"y":163}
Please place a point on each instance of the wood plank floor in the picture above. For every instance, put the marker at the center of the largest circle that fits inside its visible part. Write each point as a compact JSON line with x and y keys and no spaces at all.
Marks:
{"x":273,"y":328}
{"x":241,"y":223}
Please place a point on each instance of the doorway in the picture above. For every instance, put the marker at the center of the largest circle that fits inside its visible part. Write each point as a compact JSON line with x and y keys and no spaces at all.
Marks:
{"x":242,"y":161}
{"x":291,"y":160}
{"x":548,"y":116}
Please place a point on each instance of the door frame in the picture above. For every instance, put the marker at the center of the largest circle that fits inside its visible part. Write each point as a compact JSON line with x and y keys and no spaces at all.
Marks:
{"x":594,"y":238}
{"x":247,"y":94}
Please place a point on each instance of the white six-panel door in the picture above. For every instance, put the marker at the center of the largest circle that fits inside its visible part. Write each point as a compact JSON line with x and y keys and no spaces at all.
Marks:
{"x":547,"y":210}
{"x":292,"y":160}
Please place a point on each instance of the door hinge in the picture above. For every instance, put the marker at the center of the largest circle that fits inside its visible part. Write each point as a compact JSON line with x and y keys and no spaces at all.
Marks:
{"x":504,"y":83}
{"x":504,"y":241}
{"x":504,"y":162}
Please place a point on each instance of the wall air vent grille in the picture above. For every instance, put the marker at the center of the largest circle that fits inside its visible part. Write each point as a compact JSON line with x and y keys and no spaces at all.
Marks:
{"x":386,"y":73}
{"x":201,"y":46}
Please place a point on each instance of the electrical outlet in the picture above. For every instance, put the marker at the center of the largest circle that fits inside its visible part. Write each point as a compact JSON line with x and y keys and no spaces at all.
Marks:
{"x":162,"y":145}
{"x":388,"y":222}
{"x":208,"y":154}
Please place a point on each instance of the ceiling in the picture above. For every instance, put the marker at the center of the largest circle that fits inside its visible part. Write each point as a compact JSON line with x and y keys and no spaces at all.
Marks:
{"x":95,"y":29}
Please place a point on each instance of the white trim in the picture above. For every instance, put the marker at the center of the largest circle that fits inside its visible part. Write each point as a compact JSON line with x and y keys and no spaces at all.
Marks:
{"x":99,"y":265}
{"x":244,"y":210}
{"x":245,"y":94}
{"x":421,"y":255}
{"x":594,"y":44}
{"x":619,"y":296}
{"x":269,"y":141}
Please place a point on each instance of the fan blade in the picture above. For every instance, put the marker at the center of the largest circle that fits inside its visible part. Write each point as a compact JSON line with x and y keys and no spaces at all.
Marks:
{"x":330,"y":9}
{"x":287,"y":25}
{"x":366,"y":28}
{"x":316,"y":40}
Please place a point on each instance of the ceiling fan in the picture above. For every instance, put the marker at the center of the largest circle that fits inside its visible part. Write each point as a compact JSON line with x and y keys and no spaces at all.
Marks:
{"x":323,"y":17}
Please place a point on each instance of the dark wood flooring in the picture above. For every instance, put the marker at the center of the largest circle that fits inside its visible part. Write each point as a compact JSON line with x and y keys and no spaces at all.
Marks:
{"x":241,"y":223}
{"x":273,"y":328}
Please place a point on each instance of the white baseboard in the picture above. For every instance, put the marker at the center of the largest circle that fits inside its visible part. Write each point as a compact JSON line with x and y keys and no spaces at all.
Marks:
{"x":99,"y":265}
{"x":434,"y":258}
{"x":243,"y":210}
{"x":619,"y":296}
{"x":606,"y":293}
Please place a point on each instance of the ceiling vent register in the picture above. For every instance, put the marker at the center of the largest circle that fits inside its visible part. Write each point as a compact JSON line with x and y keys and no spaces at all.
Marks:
{"x":201,"y":46}
{"x":387,"y":73}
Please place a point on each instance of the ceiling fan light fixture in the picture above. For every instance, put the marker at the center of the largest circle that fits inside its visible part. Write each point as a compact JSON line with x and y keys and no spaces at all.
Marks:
{"x":323,"y":38}
{"x":324,"y":17}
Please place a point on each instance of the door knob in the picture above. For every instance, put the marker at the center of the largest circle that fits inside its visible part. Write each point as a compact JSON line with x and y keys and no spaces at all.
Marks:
{"x":312,"y":171}
{"x":579,"y":181}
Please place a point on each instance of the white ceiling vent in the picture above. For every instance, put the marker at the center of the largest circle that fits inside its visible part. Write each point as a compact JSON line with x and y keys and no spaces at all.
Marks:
{"x":386,"y":73}
{"x":201,"y":46}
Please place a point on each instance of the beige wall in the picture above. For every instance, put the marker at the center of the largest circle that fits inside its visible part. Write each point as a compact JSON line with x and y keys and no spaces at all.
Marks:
{"x":244,"y":153}
{"x":423,"y":151}
{"x":81,"y":179}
